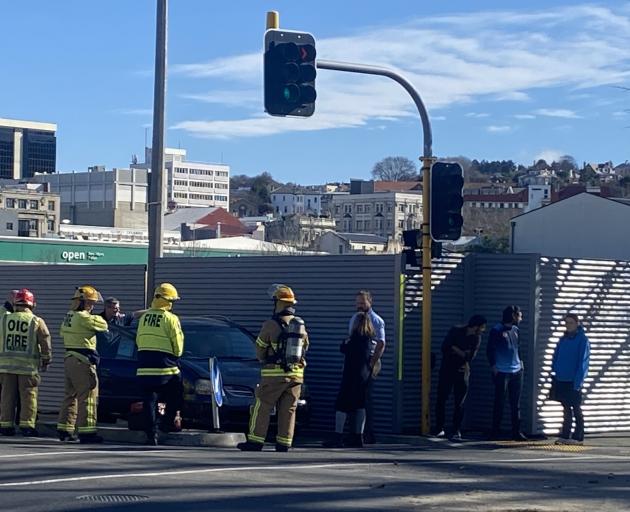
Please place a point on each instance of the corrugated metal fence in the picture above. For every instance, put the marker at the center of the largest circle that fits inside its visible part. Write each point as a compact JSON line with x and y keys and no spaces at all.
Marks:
{"x":545,"y":288}
{"x":325,"y":287}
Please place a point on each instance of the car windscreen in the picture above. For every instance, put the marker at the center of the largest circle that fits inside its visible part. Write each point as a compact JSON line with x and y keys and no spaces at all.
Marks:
{"x":223,"y":341}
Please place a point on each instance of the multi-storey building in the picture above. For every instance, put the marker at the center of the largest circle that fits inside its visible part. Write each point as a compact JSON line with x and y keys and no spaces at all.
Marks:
{"x":292,"y":199}
{"x":386,"y":214}
{"x":26,"y":148}
{"x":192,"y":184}
{"x":28,"y":210}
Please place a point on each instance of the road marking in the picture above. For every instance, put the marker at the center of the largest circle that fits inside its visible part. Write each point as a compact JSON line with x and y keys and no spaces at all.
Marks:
{"x":292,"y":467}
{"x":76,"y":452}
{"x":288,"y":467}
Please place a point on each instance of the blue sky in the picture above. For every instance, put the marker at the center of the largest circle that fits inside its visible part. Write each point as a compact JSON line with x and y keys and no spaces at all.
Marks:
{"x":501,"y":80}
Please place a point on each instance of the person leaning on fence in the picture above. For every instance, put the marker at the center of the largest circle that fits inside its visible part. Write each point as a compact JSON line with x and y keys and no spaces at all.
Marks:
{"x":570,"y":367}
{"x":357,"y":373}
{"x":459,"y":348}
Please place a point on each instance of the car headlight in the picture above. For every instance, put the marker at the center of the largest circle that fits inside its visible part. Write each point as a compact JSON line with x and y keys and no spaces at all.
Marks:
{"x":203,"y":387}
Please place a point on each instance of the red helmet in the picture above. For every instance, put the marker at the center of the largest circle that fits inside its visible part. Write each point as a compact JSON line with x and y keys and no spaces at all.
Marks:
{"x":25,"y":297}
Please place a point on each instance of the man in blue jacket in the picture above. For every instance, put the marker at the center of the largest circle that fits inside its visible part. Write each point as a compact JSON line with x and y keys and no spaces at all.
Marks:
{"x":507,"y":370}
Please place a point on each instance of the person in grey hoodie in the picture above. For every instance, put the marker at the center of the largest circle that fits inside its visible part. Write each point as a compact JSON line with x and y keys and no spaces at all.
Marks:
{"x":570,"y":367}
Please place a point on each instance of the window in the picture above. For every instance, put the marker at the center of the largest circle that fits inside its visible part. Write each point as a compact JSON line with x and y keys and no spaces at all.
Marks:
{"x":32,"y":224}
{"x":220,"y":198}
{"x":277,"y":209}
{"x":340,"y":249}
{"x":221,"y":185}
{"x":314,"y":199}
{"x":367,"y":225}
{"x":22,"y":204}
{"x":51,"y":206}
{"x":337,"y":210}
{"x":359,"y":225}
{"x":378,"y":208}
{"x":273,"y":198}
{"x":285,"y":209}
{"x":401,"y":224}
{"x":284,"y":198}
{"x":10,"y":202}
{"x":10,"y":226}
{"x":389,"y":207}
{"x":359,"y":208}
{"x":222,"y":174}
{"x":367,"y":208}
{"x":51,"y":225}
{"x":402,"y":207}
{"x":347,"y":208}
{"x":34,"y":204}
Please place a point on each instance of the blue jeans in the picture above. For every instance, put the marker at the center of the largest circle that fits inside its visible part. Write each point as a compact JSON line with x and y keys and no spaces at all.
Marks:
{"x":512,"y":384}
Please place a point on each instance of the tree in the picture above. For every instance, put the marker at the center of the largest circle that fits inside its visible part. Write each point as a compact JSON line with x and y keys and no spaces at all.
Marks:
{"x":395,"y":168}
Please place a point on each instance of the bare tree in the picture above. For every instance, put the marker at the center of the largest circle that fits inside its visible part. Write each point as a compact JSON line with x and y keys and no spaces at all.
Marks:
{"x":395,"y":168}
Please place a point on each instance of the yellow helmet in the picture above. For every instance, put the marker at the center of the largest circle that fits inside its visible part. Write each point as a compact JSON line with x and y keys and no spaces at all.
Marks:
{"x":166,"y":291}
{"x":87,"y":292}
{"x":282,"y":292}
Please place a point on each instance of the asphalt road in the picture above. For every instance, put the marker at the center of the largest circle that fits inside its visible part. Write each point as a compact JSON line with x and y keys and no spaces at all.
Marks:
{"x":46,"y":475}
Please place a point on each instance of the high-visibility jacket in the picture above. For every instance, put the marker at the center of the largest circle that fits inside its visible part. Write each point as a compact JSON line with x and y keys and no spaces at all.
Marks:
{"x":78,"y":331}
{"x":160,"y":342}
{"x":24,"y":343}
{"x":267,"y":343}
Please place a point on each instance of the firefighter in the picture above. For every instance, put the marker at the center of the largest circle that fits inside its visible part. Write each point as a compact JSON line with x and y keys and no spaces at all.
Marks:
{"x":25,"y":349}
{"x":280,"y":346}
{"x":78,"y":331}
{"x":160,"y":343}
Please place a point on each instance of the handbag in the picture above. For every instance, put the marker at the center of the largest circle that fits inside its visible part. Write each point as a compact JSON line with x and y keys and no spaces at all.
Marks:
{"x":553,"y":391}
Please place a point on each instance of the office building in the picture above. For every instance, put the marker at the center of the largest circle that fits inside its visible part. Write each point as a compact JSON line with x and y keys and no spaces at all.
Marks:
{"x":26,"y":148}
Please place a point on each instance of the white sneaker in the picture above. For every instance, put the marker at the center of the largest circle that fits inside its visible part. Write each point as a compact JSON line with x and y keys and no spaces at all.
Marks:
{"x":441,"y":434}
{"x":457,"y":436}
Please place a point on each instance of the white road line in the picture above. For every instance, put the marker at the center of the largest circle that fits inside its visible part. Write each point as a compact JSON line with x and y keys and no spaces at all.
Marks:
{"x":78,"y":452}
{"x":287,"y":467}
{"x":291,"y":467}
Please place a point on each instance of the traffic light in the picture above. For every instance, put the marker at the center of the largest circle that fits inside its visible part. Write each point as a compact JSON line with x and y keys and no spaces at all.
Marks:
{"x":447,"y":182}
{"x":290,"y":73}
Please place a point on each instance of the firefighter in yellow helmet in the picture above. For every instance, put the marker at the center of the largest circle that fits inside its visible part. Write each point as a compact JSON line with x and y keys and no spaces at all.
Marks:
{"x":160,"y":343}
{"x":280,"y":346}
{"x":78,"y":331}
{"x":25,"y":349}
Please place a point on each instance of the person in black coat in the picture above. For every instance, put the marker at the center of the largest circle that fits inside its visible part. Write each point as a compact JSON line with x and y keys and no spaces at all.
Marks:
{"x":357,"y":372}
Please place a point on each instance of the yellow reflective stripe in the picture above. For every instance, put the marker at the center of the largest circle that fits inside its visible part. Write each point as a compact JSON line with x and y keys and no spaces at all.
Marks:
{"x":156,"y":371}
{"x":255,"y":439}
{"x":91,"y":413}
{"x":279,"y":372}
{"x":260,"y":343}
{"x":87,"y":430}
{"x":27,"y":424}
{"x":254,"y":416}
{"x":284,"y":440}
{"x":7,"y":424}
{"x":66,"y":427}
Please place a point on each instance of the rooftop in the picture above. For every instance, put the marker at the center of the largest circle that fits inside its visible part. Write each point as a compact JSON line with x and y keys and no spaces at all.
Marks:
{"x":27,"y":125}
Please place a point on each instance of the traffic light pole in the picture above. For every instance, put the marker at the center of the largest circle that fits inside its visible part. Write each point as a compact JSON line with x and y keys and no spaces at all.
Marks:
{"x":427,"y":160}
{"x":156,"y":183}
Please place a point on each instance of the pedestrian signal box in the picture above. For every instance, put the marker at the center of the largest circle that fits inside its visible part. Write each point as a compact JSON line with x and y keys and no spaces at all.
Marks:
{"x":447,"y":200}
{"x":289,"y":73}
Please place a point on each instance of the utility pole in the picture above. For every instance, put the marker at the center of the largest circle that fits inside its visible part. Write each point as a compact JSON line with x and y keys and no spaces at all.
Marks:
{"x":156,"y":181}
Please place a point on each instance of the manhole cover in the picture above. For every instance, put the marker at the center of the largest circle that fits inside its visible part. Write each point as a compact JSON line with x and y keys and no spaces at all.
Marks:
{"x":112,"y":498}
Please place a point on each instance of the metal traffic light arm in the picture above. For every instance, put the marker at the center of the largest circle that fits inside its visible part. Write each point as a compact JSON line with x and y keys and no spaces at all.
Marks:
{"x":427,"y":160}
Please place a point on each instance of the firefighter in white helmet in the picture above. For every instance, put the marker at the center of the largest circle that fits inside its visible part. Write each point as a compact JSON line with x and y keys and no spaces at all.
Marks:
{"x":78,"y":331}
{"x":160,"y":343}
{"x":280,"y":346}
{"x":25,"y":348}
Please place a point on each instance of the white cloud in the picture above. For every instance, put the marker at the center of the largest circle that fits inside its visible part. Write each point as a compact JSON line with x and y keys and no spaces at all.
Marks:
{"x":524,"y":116}
{"x":477,"y":115}
{"x":621,"y":113}
{"x":550,"y":155}
{"x":557,"y":112}
{"x":454,"y":60}
{"x":498,"y":128}
{"x":438,"y":118}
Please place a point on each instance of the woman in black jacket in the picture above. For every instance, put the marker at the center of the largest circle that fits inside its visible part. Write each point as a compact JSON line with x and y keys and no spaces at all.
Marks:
{"x":357,"y":372}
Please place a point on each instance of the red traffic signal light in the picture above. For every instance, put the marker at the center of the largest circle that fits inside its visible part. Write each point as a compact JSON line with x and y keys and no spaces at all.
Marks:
{"x":290,"y":73}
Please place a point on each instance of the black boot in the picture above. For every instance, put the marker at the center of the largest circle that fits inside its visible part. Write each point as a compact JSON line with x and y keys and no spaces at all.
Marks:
{"x":69,"y":437}
{"x":29,"y":432}
{"x":335,"y":442}
{"x":355,"y":441}
{"x":248,"y":446}
{"x":7,"y":431}
{"x":282,"y":447}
